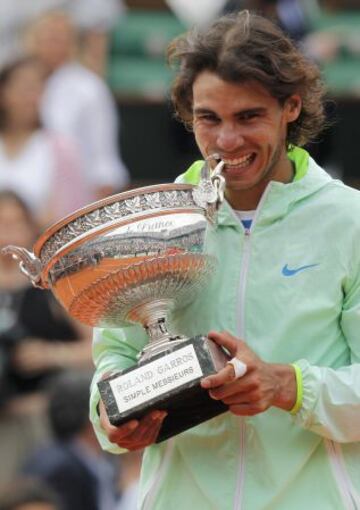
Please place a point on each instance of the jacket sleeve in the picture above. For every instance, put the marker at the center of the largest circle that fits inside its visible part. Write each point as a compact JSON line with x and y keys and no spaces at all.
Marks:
{"x":112,"y":351}
{"x":331,"y":401}
{"x":331,"y":397}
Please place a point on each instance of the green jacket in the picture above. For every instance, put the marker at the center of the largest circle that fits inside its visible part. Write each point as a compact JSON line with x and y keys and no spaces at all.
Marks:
{"x":291,"y":288}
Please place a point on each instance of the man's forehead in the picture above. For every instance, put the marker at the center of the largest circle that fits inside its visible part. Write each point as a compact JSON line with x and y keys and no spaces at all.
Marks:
{"x":210,"y":90}
{"x":212,"y":81}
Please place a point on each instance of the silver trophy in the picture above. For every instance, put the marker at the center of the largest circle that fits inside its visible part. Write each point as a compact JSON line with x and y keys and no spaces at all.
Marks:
{"x":132,"y":258}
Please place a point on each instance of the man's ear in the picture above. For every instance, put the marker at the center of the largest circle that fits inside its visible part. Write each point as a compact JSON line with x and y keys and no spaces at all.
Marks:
{"x":292,"y":107}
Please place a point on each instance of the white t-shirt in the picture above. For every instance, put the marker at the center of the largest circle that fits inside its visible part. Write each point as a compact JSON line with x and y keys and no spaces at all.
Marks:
{"x":46,"y":174}
{"x":30,"y":173}
{"x":78,"y":104}
{"x":245,"y":217}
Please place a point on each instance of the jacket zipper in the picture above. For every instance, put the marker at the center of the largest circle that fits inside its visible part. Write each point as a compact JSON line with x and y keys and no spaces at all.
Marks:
{"x":349,"y":496}
{"x":241,"y":470}
{"x":158,"y":476}
{"x":241,"y":332}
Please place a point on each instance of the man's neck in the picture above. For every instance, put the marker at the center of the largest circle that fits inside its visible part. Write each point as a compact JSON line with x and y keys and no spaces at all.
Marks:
{"x":244,"y":200}
{"x":248,"y":199}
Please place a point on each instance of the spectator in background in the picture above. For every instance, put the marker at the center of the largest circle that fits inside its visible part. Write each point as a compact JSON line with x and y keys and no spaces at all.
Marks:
{"x":37,"y":340}
{"x":42,"y":167}
{"x":15,"y":15}
{"x":92,"y":18}
{"x":335,"y":42}
{"x":73,"y":464}
{"x":293,"y":16}
{"x":78,"y":103}
{"x":290,"y":15}
{"x":28,"y":495}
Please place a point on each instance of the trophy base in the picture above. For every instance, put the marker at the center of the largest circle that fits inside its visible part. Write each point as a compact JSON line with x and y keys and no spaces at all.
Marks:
{"x":168,"y":381}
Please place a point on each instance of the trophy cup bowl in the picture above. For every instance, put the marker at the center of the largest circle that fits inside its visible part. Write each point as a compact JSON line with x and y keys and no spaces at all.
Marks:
{"x":133,"y":258}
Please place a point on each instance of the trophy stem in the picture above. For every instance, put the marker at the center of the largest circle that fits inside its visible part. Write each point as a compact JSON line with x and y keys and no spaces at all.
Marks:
{"x":152,"y":315}
{"x":158,"y":331}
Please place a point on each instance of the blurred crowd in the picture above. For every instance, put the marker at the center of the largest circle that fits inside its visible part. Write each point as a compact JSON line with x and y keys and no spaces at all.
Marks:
{"x":59,"y":132}
{"x":59,"y":150}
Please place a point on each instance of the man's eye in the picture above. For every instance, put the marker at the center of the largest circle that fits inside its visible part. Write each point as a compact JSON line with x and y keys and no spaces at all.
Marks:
{"x":248,"y":116}
{"x":208,"y":118}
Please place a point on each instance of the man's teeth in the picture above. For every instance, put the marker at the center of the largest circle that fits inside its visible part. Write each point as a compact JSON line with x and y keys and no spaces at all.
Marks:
{"x":238,"y":162}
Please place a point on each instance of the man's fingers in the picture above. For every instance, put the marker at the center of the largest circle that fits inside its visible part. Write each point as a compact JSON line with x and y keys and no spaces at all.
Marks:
{"x":123,"y":432}
{"x":248,"y":397}
{"x":135,"y":434}
{"x":236,"y":367}
{"x":157,"y":419}
{"x":224,"y":376}
{"x":146,"y":433}
{"x":245,"y":385}
{"x":149,"y":426}
{"x":226,"y":340}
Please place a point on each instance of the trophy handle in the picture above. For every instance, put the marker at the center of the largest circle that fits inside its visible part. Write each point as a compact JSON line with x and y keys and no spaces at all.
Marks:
{"x":28,"y":263}
{"x":209,"y":193}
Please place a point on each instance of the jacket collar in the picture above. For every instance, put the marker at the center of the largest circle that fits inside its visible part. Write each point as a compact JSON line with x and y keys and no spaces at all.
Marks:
{"x":278,"y":197}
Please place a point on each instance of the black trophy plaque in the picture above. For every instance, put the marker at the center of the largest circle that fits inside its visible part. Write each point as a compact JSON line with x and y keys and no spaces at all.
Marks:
{"x":168,"y":381}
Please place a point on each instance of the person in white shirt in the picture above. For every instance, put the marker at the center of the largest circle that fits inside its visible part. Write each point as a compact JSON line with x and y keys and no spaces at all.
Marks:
{"x":41,"y":167}
{"x":78,"y":103}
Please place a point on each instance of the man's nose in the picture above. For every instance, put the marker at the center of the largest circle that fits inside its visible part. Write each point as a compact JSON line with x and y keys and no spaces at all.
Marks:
{"x":229,"y":138}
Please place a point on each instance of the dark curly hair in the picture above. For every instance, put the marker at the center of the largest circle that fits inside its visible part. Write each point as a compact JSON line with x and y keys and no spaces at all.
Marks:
{"x":248,"y":47}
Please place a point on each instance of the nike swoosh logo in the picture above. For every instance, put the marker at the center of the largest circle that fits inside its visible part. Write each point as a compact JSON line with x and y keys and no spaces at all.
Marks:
{"x":286,"y":271}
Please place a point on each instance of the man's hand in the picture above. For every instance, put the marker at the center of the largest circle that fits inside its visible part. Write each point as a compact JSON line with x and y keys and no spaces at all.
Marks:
{"x":263,"y":385}
{"x":135,"y":434}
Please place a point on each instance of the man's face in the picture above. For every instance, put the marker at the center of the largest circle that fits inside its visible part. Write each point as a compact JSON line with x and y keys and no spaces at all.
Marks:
{"x":247,"y":127}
